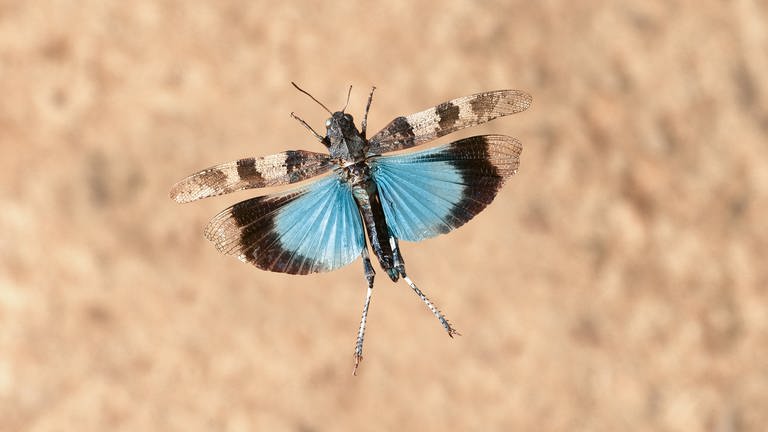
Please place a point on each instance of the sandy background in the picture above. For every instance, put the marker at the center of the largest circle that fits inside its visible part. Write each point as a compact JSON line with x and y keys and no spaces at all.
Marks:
{"x":617,"y":283}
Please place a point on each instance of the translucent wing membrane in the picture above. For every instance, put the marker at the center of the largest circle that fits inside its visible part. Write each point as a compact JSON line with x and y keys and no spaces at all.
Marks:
{"x":315,"y":228}
{"x":275,"y":170}
{"x":405,"y":132}
{"x":434,"y":191}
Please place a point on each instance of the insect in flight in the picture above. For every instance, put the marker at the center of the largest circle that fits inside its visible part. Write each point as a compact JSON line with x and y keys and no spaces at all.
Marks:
{"x":362,"y":194}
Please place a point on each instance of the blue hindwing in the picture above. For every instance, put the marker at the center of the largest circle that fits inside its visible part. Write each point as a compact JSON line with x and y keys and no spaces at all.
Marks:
{"x":314,"y":228}
{"x":435,"y":191}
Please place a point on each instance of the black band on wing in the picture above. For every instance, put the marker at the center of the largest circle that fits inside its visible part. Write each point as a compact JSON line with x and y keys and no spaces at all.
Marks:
{"x":435,"y":191}
{"x":421,"y":127}
{"x":259,"y":240}
{"x":311,"y":229}
{"x":248,"y":173}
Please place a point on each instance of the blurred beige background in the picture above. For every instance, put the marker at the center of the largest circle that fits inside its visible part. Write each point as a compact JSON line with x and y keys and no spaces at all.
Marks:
{"x":617,"y":283}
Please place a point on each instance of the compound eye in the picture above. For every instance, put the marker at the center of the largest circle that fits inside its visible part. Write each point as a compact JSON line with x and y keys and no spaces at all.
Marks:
{"x":347,"y":117}
{"x":328,"y":123}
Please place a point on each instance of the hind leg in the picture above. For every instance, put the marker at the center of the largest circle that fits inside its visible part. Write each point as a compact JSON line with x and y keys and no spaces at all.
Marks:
{"x":369,"y":275}
{"x":400,"y":266}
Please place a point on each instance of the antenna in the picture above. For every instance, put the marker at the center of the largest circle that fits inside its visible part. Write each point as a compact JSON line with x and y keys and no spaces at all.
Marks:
{"x":347,"y":103}
{"x":312,"y":97}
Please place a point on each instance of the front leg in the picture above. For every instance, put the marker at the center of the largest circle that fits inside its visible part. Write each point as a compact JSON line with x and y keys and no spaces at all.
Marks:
{"x":364,"y":125}
{"x":369,"y":275}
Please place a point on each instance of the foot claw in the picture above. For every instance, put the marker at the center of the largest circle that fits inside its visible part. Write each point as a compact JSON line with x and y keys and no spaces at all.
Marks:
{"x":452,"y":332}
{"x":358,"y":359}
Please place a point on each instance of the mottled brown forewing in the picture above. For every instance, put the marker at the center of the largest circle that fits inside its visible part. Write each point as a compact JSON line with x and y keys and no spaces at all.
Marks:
{"x":421,"y":127}
{"x":274,"y":170}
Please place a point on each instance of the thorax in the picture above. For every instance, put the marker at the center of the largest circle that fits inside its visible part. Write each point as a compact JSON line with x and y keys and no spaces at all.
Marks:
{"x":358,"y":176}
